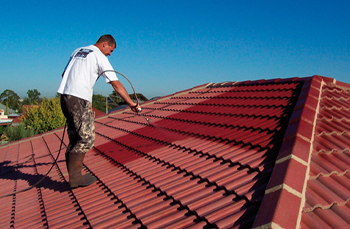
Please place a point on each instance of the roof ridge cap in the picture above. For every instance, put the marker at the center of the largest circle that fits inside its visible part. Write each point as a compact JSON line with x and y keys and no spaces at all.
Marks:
{"x":302,"y":124}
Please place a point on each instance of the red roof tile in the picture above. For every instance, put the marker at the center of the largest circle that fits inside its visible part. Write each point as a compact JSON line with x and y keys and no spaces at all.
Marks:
{"x":243,"y":154}
{"x":328,"y":191}
{"x":98,"y":113}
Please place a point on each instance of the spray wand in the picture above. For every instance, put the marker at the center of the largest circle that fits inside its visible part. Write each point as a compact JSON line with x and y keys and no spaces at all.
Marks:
{"x":139,"y":110}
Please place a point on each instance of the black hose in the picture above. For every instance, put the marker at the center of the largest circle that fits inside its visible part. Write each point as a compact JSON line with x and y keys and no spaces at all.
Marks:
{"x":137,"y":99}
{"x":54,"y":163}
{"x":138,"y":103}
{"x":64,"y":130}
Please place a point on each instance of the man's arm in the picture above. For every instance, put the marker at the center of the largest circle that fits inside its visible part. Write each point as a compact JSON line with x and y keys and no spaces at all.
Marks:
{"x":120,"y":89}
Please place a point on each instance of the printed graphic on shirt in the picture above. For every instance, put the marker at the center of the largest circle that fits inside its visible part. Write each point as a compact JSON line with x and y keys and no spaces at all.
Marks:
{"x":83,"y":53}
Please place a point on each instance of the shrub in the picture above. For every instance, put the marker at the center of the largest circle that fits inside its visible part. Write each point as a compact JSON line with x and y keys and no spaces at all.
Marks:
{"x":14,"y":133}
{"x":48,"y":116}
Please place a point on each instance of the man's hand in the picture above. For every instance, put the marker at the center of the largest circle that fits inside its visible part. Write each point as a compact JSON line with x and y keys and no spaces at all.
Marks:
{"x":135,"y":108}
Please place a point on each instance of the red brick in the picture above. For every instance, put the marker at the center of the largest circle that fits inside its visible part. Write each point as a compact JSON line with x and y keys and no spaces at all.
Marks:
{"x":308,"y":114}
{"x":289,"y":172}
{"x":316,"y":82}
{"x":280,"y":207}
{"x":296,"y":115}
{"x":296,"y":146}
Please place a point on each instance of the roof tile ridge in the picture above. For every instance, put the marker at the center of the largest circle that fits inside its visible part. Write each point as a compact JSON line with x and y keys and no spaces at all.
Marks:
{"x":226,"y":114}
{"x":329,"y":152}
{"x":325,"y":207}
{"x":228,"y":126}
{"x":221,"y":105}
{"x":334,"y":108}
{"x":269,"y":81}
{"x":331,"y":133}
{"x":329,"y":174}
{"x":334,"y":119}
{"x":200,"y":87}
{"x":337,"y":88}
{"x":238,"y":89}
{"x":339,"y":99}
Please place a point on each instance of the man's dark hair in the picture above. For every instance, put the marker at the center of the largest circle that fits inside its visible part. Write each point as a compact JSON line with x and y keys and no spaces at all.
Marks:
{"x":109,"y":38}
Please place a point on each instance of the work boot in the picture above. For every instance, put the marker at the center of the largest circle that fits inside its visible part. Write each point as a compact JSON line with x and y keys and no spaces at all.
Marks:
{"x":75,"y":165}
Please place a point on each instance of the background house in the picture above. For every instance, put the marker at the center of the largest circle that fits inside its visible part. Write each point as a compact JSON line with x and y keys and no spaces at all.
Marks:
{"x":4,"y":119}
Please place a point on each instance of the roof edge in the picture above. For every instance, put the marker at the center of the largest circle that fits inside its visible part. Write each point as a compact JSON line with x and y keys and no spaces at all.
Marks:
{"x":284,"y":195}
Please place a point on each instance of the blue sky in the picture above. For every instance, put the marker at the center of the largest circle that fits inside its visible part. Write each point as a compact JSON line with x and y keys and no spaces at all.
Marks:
{"x":165,"y":46}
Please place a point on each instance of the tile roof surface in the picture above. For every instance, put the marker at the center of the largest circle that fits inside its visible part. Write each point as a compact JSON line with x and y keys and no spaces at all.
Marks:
{"x":268,"y":153}
{"x":328,"y":184}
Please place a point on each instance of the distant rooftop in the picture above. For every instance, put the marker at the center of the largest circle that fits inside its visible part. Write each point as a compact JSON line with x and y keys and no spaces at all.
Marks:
{"x":3,"y":107}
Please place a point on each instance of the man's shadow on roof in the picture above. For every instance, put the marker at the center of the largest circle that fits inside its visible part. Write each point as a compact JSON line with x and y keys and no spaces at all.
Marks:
{"x":12,"y":172}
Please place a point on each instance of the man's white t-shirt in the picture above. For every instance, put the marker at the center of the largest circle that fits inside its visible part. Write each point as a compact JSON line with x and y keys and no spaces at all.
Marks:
{"x":83,"y":69}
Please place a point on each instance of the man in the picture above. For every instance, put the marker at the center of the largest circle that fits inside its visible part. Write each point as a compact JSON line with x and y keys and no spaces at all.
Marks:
{"x":86,"y":64}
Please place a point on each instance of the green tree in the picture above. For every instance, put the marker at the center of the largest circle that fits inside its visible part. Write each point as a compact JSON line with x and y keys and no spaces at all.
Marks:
{"x":11,"y":98}
{"x":140,"y":97}
{"x":33,"y":97}
{"x":26,"y":101}
{"x":48,"y":116}
{"x":114,"y":100}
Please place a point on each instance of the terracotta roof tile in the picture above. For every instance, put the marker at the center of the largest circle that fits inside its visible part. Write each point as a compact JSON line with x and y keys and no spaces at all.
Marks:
{"x":224,"y":155}
{"x":328,"y":191}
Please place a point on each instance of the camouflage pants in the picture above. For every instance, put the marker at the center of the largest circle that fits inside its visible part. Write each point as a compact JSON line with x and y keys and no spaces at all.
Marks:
{"x":80,"y":123}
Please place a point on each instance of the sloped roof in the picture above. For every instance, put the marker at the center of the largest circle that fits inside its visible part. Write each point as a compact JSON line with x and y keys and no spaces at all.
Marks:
{"x":98,"y":113}
{"x":268,"y":153}
{"x":3,"y":107}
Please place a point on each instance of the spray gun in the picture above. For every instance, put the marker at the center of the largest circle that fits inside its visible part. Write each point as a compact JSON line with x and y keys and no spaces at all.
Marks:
{"x":139,"y":113}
